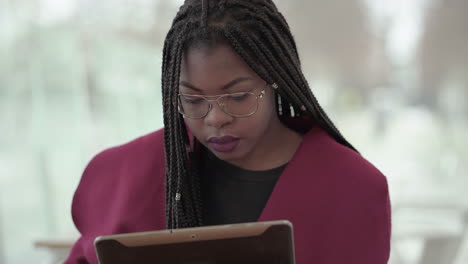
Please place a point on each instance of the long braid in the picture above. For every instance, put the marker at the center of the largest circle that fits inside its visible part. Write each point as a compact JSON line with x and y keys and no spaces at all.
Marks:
{"x":258,"y":13}
{"x":180,"y":154}
{"x":293,"y":82}
{"x":168,"y":136}
{"x":192,"y":197}
{"x":191,"y":201}
{"x":287,"y":55}
{"x":285,"y":81}
{"x":295,"y":70}
{"x":177,"y":164}
{"x":204,"y":13}
{"x":173,"y":158}
{"x":259,"y":33}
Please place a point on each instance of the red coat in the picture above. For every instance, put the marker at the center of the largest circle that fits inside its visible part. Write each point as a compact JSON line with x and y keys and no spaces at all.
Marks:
{"x":337,"y":201}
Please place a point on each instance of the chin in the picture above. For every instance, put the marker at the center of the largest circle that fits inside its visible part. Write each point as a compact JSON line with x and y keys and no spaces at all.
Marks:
{"x":229,"y":156}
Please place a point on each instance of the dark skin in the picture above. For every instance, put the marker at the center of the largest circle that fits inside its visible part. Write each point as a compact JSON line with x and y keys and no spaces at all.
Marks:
{"x":264,"y":141}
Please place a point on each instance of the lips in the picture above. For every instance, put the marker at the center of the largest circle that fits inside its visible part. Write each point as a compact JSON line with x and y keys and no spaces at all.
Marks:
{"x":223,"y":144}
{"x":222,"y":140}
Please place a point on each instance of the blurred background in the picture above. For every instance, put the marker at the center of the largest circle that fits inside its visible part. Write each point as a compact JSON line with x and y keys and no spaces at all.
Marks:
{"x":78,"y":76}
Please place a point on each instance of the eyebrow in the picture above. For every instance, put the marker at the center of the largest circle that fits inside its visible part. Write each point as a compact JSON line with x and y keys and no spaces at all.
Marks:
{"x":225,"y":87}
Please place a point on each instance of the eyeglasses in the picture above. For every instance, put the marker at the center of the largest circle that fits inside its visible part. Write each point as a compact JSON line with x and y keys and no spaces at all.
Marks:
{"x":242,"y":104}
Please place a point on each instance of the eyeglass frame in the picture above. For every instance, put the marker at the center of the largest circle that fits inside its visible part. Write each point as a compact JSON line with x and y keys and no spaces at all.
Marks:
{"x":221,"y":106}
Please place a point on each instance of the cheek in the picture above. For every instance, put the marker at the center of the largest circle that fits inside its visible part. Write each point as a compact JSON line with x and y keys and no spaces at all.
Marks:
{"x":267,"y":109}
{"x":260,"y":121}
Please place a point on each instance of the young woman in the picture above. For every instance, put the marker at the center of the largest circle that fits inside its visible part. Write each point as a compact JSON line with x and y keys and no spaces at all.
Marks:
{"x":244,"y":139}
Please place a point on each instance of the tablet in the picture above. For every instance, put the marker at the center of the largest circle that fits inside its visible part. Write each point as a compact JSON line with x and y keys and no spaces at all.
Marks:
{"x":259,"y":242}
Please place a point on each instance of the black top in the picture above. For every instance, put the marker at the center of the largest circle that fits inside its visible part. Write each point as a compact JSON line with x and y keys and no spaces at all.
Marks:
{"x":234,"y":195}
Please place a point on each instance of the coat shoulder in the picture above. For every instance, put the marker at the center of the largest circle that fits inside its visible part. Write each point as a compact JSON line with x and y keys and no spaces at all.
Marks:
{"x":344,"y":164}
{"x":121,"y":191}
{"x":151,"y":144}
{"x":134,"y":165}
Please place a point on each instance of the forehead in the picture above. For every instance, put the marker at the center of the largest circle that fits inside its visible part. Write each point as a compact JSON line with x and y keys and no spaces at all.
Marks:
{"x":211,"y":68}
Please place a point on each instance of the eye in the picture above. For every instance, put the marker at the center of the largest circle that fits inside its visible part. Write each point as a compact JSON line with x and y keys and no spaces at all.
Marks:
{"x":191,"y":100}
{"x":239,"y":96}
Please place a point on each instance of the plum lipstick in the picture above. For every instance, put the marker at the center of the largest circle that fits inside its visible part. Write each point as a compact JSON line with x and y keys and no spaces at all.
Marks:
{"x":223,"y":144}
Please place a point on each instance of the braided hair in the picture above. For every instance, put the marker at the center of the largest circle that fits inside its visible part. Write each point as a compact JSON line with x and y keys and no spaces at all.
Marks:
{"x":259,"y":33}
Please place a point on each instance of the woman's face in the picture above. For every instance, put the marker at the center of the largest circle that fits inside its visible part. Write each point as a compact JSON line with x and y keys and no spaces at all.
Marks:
{"x":220,"y":70}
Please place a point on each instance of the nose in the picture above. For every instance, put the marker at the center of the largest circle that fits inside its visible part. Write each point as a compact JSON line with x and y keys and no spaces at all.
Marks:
{"x":217,"y":117}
